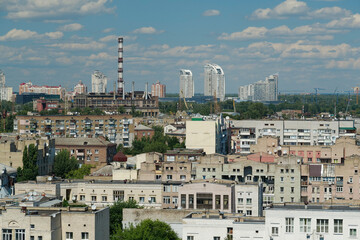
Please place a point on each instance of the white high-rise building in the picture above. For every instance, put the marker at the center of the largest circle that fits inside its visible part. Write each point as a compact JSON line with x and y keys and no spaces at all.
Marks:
{"x":98,"y":82}
{"x":214,"y":81}
{"x":5,"y":92}
{"x":186,"y":84}
{"x":266,"y":90}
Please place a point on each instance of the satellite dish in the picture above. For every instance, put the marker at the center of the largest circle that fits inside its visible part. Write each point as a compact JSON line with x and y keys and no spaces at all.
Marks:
{"x":93,"y":207}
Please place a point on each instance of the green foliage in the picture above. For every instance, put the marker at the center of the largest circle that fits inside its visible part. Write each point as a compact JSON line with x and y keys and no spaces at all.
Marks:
{"x":121,"y":110}
{"x":29,"y":171}
{"x":64,"y":164}
{"x":147,"y":229}
{"x":158,"y":143}
{"x":80,"y":172}
{"x":116,"y":214}
{"x":88,"y":111}
{"x":50,"y":112}
{"x":65,"y":203}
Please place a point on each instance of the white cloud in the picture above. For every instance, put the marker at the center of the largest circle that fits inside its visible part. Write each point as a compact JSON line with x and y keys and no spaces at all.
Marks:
{"x":102,"y":56}
{"x":329,"y":12}
{"x":114,"y":38}
{"x":352,"y":21}
{"x":211,"y":12}
{"x":283,"y":10}
{"x":351,"y":63}
{"x":283,"y":31}
{"x":52,"y":9}
{"x":147,"y":30}
{"x":19,"y":34}
{"x":78,"y":46}
{"x":71,"y":27}
{"x":107,"y":30}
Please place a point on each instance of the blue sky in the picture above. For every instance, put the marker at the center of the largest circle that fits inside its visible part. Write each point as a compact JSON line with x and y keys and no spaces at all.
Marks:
{"x":309,"y":43}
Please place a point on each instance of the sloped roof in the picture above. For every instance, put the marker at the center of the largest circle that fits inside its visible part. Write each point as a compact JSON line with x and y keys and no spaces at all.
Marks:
{"x":82,"y":141}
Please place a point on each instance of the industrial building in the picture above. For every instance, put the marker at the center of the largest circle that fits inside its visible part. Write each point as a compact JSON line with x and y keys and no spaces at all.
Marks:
{"x":186,"y":84}
{"x":214,"y":81}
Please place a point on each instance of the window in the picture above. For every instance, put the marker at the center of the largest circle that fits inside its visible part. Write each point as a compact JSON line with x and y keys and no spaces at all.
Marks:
{"x":69,"y":236}
{"x":353,"y":232}
{"x":82,"y":197}
{"x":339,"y":189}
{"x":166,"y":200}
{"x":281,"y":179}
{"x":292,"y":170}
{"x":274,"y":231}
{"x":240,"y":201}
{"x":289,"y":222}
{"x":322,"y":225}
{"x":350,"y":179}
{"x":292,"y":179}
{"x":230,"y":233}
{"x":338,"y":226}
{"x":190,"y":238}
{"x":118,"y":195}
{"x":96,"y":159}
{"x":216,"y":238}
{"x":104,"y":198}
{"x":40,"y":238}
{"x":249,"y":201}
{"x":281,"y":189}
{"x":84,"y":236}
{"x":7,"y":234}
{"x":350,"y":190}
{"x":175,"y":200}
{"x":93,"y":198}
{"x":141,"y":199}
{"x":32,"y":238}
{"x":182,"y":177}
{"x":175,"y":188}
{"x":167,"y":188}
{"x":96,"y":151}
{"x":131,"y":198}
{"x":305,"y":224}
{"x":20,"y":234}
{"x":292,"y":189}
{"x":168,"y":177}
{"x":248,"y":212}
{"x":152,"y":199}
{"x":32,"y":226}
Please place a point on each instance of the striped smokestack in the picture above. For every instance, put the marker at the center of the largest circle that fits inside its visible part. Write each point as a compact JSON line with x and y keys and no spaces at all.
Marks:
{"x":120,"y":90}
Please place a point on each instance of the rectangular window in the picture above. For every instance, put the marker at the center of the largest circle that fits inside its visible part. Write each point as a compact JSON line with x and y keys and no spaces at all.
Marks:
{"x":175,"y":188}
{"x":190,"y":238}
{"x":175,"y":200}
{"x":339,"y":189}
{"x":217,"y":201}
{"x":248,"y":201}
{"x":289,"y":225}
{"x":96,"y":151}
{"x":20,"y":234}
{"x":230,"y":233}
{"x":82,"y":197}
{"x":69,"y":236}
{"x":248,"y":213}
{"x":93,"y":198}
{"x":141,"y":199}
{"x":7,"y":234}
{"x":240,"y":201}
{"x":274,"y":231}
{"x":84,"y":236}
{"x":305,"y":224}
{"x":226,"y":201}
{"x":118,"y":195}
{"x":338,"y":226}
{"x":191,"y":201}
{"x":40,"y":238}
{"x":167,"y":188}
{"x":183,"y":201}
{"x":322,"y":225}
{"x":216,"y":238}
{"x":353,"y":232}
{"x":169,"y":177}
{"x":166,"y":200}
{"x":104,"y":198}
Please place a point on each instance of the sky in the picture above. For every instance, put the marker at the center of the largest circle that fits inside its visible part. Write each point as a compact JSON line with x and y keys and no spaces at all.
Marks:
{"x":310,"y":44}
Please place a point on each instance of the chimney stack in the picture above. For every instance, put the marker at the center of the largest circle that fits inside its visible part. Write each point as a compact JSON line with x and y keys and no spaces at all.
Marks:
{"x":121,"y":90}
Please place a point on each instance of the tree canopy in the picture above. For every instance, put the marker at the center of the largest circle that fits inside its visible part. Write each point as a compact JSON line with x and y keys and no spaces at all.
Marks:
{"x":64,"y":164}
{"x":29,"y":171}
{"x":116,"y":214}
{"x":79,"y":173}
{"x":146,"y":229}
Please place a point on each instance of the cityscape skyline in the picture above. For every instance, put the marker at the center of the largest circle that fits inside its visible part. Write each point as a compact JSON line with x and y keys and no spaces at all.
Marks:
{"x":308,"y":43}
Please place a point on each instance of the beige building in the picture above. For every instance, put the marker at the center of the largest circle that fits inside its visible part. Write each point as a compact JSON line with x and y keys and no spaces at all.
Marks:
{"x":118,"y":129}
{"x":54,"y":223}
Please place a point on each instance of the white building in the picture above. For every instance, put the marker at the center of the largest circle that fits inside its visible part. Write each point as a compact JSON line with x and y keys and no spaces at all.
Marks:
{"x":318,"y":222}
{"x":214,"y":81}
{"x":266,"y":90}
{"x":249,"y":199}
{"x":98,"y":82}
{"x":5,"y":92}
{"x":186,"y":84}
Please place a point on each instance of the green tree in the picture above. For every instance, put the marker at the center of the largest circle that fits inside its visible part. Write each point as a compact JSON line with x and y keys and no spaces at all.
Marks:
{"x":64,"y":164}
{"x":80,"y":172}
{"x":116,"y":214}
{"x":147,"y":229}
{"x":30,"y":170}
{"x":121,"y":110}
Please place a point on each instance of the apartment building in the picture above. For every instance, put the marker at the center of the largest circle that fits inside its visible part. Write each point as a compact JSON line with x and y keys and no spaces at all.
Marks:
{"x":95,"y":151}
{"x":319,"y":222}
{"x":118,"y":129}
{"x":245,"y":133}
{"x":249,"y":199}
{"x":141,"y":131}
{"x":104,"y":193}
{"x":52,"y":90}
{"x":12,"y":148}
{"x":54,"y":223}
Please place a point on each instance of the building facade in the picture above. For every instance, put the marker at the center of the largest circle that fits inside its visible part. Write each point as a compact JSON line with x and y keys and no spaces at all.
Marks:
{"x":263,"y":91}
{"x":214,"y":81}
{"x":158,"y":90}
{"x":186,"y":84}
{"x":118,"y":129}
{"x":98,"y":82}
{"x":45,"y":89}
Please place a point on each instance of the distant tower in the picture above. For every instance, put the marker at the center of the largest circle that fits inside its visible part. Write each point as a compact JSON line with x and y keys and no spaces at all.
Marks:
{"x":158,"y":90}
{"x":121,"y":90}
{"x":214,"y":81}
{"x":186,"y":84}
{"x":98,"y":82}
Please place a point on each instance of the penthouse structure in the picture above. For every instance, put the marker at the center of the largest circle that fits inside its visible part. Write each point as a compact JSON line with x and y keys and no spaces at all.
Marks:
{"x":186,"y":84}
{"x":98,"y":82}
{"x":245,"y":133}
{"x":214,"y":81}
{"x":118,"y":129}
{"x":45,"y":89}
{"x":262,"y":91}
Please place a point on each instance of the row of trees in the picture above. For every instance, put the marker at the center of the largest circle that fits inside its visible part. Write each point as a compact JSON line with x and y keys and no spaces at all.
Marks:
{"x":158,"y":143}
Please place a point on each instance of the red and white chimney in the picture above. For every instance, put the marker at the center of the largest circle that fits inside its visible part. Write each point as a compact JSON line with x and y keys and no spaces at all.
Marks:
{"x":120,"y":90}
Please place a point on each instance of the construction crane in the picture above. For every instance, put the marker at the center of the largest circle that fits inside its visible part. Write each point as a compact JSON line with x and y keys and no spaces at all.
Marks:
{"x":356,"y":90}
{"x":216,"y":105}
{"x":183,"y":96}
{"x":348,"y":103}
{"x":234,"y":106}
{"x":316,"y":93}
